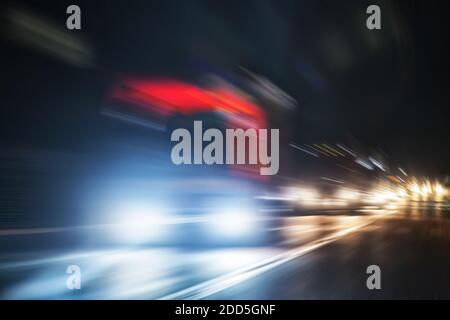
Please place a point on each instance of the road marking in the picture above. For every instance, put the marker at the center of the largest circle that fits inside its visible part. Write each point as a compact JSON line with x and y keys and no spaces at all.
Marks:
{"x":210,"y":287}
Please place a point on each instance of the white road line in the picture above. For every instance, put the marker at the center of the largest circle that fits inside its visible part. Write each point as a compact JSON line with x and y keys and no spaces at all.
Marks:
{"x":210,"y":287}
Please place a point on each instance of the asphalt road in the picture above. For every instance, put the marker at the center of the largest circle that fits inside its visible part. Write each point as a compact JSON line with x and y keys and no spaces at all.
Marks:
{"x":324,"y":256}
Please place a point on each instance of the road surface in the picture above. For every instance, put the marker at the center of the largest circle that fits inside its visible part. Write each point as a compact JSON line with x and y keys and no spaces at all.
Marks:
{"x":323,"y":256}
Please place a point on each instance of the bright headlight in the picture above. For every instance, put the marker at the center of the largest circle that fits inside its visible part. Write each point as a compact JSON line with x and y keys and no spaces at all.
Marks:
{"x":140,"y":223}
{"x":234,"y":221}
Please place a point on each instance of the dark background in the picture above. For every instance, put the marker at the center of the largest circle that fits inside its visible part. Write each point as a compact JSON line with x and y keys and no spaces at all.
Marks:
{"x":386,"y":88}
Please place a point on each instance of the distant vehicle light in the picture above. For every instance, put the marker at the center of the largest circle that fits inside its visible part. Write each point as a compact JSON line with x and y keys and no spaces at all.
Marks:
{"x":439,"y":189}
{"x":348,"y":194}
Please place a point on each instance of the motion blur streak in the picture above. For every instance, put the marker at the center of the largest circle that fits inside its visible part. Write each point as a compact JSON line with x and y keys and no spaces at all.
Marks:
{"x":87,"y":179}
{"x":208,"y":288}
{"x":49,"y":38}
{"x":126,"y":273}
